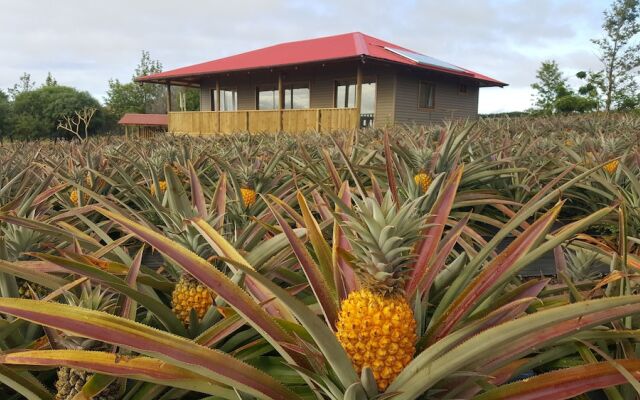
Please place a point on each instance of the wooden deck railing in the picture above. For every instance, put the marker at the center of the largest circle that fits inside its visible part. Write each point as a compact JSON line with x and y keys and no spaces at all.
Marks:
{"x":256,"y":121}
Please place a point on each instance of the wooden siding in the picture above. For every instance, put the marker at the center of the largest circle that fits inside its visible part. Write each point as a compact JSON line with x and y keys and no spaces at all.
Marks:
{"x":448,"y":102}
{"x":257,"y":121}
{"x":321,"y":80}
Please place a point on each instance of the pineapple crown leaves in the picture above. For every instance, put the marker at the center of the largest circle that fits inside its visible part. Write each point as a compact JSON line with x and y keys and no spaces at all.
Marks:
{"x":383,"y":237}
{"x":92,"y":298}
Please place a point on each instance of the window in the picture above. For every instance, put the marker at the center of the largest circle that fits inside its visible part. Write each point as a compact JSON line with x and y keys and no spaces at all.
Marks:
{"x":426,"y":95}
{"x":346,"y":96}
{"x":295,"y":95}
{"x":266,"y":98}
{"x":228,"y":100}
{"x":462,"y":89}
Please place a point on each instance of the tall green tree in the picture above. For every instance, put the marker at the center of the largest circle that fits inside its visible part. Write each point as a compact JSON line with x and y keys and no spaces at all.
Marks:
{"x":619,"y":52}
{"x":5,"y":114}
{"x":25,"y":84}
{"x":592,"y":86}
{"x":131,"y":97}
{"x":550,"y":86}
{"x":37,"y":113}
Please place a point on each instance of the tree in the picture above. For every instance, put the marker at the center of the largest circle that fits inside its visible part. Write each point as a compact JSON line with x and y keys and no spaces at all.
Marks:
{"x":572,"y":103}
{"x":36,"y":113}
{"x":79,"y":119}
{"x":550,"y":86}
{"x":593,"y":86}
{"x":620,"y":57}
{"x":50,"y":81}
{"x":5,"y":114}
{"x":129,"y":97}
{"x":24,"y":85}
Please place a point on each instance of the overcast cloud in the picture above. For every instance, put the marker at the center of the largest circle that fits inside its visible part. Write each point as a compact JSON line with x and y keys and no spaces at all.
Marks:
{"x":85,"y":43}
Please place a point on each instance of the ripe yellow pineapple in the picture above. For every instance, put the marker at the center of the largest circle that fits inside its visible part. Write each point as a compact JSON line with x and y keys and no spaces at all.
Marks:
{"x":190,"y":294}
{"x":612,"y":147}
{"x":163,"y":187}
{"x":423,"y":180}
{"x":376,"y":325}
{"x":611,"y":166}
{"x":249,"y":196}
{"x":74,"y":198}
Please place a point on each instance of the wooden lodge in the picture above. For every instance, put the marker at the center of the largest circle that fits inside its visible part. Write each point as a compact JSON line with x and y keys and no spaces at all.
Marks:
{"x":332,"y":83}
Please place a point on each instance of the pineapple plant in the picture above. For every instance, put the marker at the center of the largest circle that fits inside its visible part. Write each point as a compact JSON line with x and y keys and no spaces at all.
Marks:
{"x":420,"y":160}
{"x":611,"y":147}
{"x":376,"y":325}
{"x":248,"y":180}
{"x":70,"y":380}
{"x":189,"y":294}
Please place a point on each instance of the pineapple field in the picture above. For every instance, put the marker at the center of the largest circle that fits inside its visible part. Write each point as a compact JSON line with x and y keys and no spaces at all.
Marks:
{"x":362,"y":265}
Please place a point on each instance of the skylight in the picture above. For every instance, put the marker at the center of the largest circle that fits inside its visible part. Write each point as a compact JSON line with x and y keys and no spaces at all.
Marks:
{"x":425,"y":60}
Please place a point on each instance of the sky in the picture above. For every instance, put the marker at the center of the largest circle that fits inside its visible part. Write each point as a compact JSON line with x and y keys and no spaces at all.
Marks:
{"x":86,"y":43}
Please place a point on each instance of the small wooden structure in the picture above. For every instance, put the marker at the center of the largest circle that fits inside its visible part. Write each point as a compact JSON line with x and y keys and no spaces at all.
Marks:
{"x":144,"y":125}
{"x":326,"y":84}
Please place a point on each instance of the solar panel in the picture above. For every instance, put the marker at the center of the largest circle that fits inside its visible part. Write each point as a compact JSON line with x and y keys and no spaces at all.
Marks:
{"x":425,"y":60}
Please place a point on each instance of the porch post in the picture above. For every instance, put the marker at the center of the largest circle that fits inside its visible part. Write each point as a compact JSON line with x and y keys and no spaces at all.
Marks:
{"x":358,"y":94}
{"x":217,"y":105}
{"x":168,"y":98}
{"x":280,"y":100}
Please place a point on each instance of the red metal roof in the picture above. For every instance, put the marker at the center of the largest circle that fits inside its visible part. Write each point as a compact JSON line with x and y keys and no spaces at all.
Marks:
{"x":144,"y":119}
{"x":338,"y":47}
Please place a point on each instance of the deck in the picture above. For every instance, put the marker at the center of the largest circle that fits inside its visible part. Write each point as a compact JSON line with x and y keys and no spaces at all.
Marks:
{"x":258,"y":121}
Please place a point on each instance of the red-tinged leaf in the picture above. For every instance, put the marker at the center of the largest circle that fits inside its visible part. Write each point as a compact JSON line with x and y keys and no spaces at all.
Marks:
{"x":566,"y":383}
{"x":514,"y":338}
{"x":391,"y":177}
{"x":375,"y":188}
{"x":320,"y":245}
{"x":435,"y":224}
{"x":215,"y":280}
{"x":464,"y":304}
{"x":220,"y":199}
{"x":164,"y":314}
{"x":220,"y":331}
{"x":315,"y":276}
{"x":321,"y":205}
{"x":131,"y":279}
{"x":443,"y":254}
{"x":333,"y":172}
{"x":170,"y":348}
{"x":532,"y":340}
{"x":344,"y":276}
{"x":223,"y":248}
{"x":197,"y":196}
{"x":139,"y":368}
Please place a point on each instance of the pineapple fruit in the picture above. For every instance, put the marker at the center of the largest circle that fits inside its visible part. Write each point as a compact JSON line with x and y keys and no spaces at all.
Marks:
{"x":423,"y":180}
{"x":25,"y":290}
{"x":611,"y":147}
{"x":163,"y":187}
{"x":189,"y":294}
{"x":75,"y":198}
{"x":376,"y":325}
{"x":70,"y":380}
{"x":249,"y":196}
{"x":611,"y":166}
